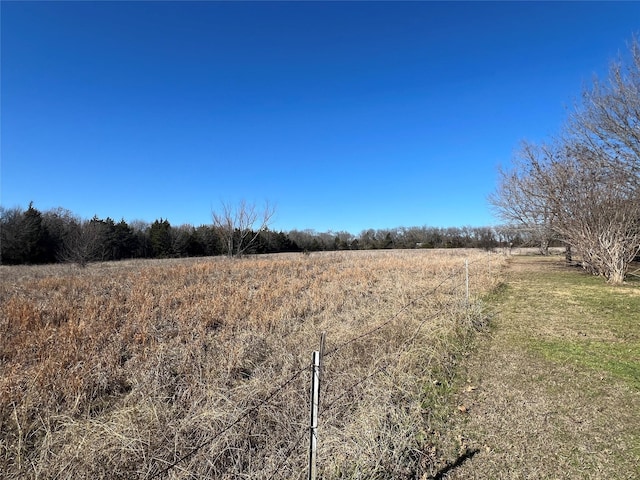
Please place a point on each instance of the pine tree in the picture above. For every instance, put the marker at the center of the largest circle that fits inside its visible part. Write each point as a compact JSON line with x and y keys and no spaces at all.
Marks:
{"x":160,"y":239}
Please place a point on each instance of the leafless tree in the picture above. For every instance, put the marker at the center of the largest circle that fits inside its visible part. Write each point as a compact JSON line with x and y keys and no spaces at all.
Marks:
{"x":587,"y":200}
{"x":240,"y":225}
{"x":594,"y":209}
{"x":82,"y":242}
{"x":585,"y":187}
{"x":607,"y":122}
{"x":509,"y":235}
{"x":520,"y":199}
{"x":10,"y":234}
{"x":602,"y":136}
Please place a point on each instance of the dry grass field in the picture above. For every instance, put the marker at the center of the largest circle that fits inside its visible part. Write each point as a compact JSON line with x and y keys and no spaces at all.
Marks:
{"x":199,"y":368}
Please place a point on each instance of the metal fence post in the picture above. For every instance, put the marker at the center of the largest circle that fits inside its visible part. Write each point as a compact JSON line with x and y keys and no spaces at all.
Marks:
{"x":466,"y":276}
{"x":315,"y":396}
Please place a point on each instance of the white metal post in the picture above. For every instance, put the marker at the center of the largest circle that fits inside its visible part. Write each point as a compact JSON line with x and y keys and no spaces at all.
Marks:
{"x":466,"y":274}
{"x":315,"y":396}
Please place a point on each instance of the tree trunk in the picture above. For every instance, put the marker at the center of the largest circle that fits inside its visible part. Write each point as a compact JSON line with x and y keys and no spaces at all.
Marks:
{"x":616,"y":277}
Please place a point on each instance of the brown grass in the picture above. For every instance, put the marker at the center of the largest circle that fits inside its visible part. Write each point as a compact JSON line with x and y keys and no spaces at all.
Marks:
{"x":121,"y":369}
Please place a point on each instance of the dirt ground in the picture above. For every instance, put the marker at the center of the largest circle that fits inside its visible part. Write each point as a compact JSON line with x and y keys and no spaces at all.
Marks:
{"x":524,"y":416}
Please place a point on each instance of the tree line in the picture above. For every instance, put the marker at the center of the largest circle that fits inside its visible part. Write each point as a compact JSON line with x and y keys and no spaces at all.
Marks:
{"x":31,"y":236}
{"x":582,"y":187}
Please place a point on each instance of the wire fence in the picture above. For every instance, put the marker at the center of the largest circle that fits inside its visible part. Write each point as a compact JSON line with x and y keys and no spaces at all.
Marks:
{"x":338,"y":395}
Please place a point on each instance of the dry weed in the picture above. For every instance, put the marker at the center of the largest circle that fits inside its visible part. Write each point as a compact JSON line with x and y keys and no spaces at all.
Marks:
{"x":195,"y":368}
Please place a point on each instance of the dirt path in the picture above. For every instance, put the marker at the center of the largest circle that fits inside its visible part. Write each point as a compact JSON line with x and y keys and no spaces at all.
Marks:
{"x":531,"y":417}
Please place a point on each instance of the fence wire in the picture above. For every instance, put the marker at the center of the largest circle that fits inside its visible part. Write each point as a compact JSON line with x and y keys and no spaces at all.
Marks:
{"x":327,"y":407}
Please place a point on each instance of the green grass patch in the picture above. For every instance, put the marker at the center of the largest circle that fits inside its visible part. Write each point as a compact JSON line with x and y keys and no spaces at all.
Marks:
{"x":563,"y":361}
{"x":604,"y":320}
{"x":615,"y":308}
{"x":570,"y":316}
{"x":622,"y":360}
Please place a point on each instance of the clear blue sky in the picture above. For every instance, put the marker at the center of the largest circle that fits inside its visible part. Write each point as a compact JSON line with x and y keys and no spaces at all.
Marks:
{"x":346,"y":116}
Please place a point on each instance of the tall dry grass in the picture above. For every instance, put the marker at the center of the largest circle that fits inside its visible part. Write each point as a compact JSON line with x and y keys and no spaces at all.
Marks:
{"x":199,"y":368}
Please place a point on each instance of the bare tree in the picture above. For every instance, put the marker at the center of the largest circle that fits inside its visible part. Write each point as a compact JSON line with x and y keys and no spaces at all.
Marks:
{"x":11,"y":241}
{"x":82,"y":242}
{"x":509,"y":236}
{"x":587,"y":200}
{"x":585,"y":187}
{"x":594,"y":209}
{"x":607,"y":122}
{"x":603,"y":137}
{"x":520,"y":199}
{"x":239,"y":226}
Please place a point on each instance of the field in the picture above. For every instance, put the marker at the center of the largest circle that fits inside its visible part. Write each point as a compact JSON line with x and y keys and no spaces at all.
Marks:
{"x":200,"y":368}
{"x":557,"y":378}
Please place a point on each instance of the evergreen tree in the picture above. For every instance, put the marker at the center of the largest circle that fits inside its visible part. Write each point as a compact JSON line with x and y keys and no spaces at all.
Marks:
{"x":34,"y":237}
{"x":125,"y":241}
{"x":160,"y":239}
{"x":208,"y":239}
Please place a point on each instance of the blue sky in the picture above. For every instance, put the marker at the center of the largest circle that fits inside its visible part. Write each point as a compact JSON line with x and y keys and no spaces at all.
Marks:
{"x":344,"y":115}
